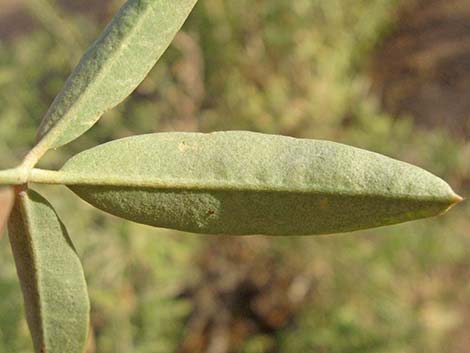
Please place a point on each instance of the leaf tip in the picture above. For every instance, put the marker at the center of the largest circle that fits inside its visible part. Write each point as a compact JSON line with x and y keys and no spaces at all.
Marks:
{"x":456,"y":199}
{"x":453,"y":200}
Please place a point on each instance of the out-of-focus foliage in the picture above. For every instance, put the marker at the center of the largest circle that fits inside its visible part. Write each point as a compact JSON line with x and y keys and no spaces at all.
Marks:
{"x":292,"y":67}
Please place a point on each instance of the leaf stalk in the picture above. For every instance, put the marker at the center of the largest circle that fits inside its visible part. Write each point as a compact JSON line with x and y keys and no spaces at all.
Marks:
{"x":15,"y":176}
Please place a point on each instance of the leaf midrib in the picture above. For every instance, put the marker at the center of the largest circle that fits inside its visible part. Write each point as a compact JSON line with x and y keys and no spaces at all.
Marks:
{"x":76,"y":179}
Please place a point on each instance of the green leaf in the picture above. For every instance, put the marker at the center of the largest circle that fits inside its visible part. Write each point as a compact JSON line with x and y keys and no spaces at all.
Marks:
{"x":6,"y":204}
{"x":113,"y":67}
{"x":51,"y":276}
{"x":250,"y":183}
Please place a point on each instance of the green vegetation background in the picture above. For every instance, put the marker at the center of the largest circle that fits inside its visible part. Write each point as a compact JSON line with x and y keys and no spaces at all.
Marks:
{"x":297,"y":68}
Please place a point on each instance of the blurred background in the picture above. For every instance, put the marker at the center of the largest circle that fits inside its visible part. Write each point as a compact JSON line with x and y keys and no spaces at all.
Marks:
{"x":386,"y":75}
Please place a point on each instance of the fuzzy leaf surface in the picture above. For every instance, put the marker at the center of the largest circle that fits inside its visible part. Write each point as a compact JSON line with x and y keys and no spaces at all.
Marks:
{"x":250,"y":183}
{"x":113,"y":66}
{"x":51,"y":276}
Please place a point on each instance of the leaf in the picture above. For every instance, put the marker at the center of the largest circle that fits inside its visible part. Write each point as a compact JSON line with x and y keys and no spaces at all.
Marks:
{"x":113,"y":67}
{"x":250,"y":183}
{"x":51,"y":276}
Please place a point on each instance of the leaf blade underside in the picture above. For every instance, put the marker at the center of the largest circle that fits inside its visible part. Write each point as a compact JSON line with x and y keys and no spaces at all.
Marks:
{"x":112,"y":67}
{"x":249,"y":183}
{"x":51,"y":277}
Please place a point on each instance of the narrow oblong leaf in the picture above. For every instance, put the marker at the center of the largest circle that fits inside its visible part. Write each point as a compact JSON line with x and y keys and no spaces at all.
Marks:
{"x":249,"y":183}
{"x":51,"y":276}
{"x":7,"y":197}
{"x":113,"y":66}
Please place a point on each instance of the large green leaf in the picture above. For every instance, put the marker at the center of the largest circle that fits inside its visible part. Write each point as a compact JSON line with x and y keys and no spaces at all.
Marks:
{"x":250,"y":183}
{"x":51,"y":276}
{"x":113,"y":67}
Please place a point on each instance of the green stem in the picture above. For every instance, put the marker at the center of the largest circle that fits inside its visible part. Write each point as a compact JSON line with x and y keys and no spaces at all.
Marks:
{"x":34,"y":155}
{"x":15,"y":176}
{"x":21,"y":174}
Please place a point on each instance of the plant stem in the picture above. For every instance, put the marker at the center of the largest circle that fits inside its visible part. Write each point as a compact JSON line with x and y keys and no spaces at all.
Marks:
{"x":15,"y":176}
{"x":21,"y":174}
{"x":34,"y":155}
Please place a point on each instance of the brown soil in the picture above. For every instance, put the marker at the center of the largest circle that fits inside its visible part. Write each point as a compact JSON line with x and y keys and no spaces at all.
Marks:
{"x":245,"y":290}
{"x":423,"y":68}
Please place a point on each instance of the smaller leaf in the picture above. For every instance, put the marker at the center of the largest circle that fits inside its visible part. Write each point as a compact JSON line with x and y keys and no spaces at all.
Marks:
{"x":7,"y":197}
{"x":51,"y":276}
{"x":112,"y":67}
